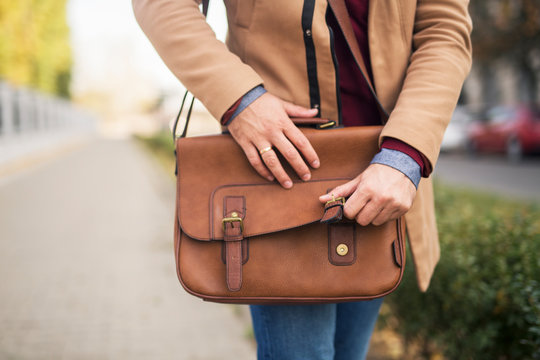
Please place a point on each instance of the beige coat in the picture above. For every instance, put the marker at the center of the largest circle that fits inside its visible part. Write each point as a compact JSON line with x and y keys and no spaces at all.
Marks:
{"x":420,"y":55}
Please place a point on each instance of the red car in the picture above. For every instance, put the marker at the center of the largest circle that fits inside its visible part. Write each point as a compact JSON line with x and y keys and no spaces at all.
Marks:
{"x":514,"y":130}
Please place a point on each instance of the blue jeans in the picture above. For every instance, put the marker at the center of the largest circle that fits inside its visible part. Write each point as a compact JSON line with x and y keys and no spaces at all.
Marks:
{"x":314,"y":332}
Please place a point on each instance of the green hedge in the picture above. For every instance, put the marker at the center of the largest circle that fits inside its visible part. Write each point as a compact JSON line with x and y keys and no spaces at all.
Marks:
{"x":484,"y":299}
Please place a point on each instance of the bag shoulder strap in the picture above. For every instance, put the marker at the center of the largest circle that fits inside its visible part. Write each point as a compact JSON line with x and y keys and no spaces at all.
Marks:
{"x":205,"y":7}
{"x":192,"y":101}
{"x":339,"y":8}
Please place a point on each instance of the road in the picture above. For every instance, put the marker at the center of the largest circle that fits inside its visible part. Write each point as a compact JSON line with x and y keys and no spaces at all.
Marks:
{"x":492,"y":174}
{"x":87,"y":266}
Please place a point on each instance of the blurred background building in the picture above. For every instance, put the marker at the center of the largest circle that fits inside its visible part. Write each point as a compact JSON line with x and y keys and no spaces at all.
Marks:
{"x":506,"y":43}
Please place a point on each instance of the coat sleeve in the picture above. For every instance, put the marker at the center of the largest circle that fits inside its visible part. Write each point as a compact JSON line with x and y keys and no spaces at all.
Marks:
{"x":440,"y":61}
{"x":188,"y":46}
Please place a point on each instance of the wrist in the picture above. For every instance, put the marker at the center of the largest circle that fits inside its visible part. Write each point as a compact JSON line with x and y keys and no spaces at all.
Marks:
{"x":421,"y":160}
{"x":242,"y":104}
{"x":401,"y":162}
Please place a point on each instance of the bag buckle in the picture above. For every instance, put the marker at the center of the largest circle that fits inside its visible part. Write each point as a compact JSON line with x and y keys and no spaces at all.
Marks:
{"x":334,"y":199}
{"x":234,"y":218}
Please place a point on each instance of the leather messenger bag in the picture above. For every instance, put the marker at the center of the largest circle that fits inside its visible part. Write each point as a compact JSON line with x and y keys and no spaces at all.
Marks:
{"x":241,"y":239}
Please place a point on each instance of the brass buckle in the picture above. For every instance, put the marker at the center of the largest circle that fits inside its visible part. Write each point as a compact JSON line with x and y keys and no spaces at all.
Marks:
{"x":234,"y":218}
{"x":334,"y":199}
{"x":327,"y":125}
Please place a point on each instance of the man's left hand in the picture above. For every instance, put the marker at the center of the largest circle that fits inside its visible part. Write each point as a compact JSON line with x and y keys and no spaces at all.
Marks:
{"x":379,"y":194}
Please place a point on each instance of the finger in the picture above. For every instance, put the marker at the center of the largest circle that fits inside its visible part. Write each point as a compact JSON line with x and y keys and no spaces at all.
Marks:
{"x":355,"y":204}
{"x":397,"y":212}
{"x":298,"y":111}
{"x":368,"y":213}
{"x":396,"y":215}
{"x":341,"y":190}
{"x":291,"y":154}
{"x":271,"y":161}
{"x":384,"y":216}
{"x":303,"y":145}
{"x":254,"y":159}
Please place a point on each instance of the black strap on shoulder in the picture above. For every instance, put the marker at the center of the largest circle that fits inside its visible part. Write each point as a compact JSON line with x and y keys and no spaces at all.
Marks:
{"x":205,"y":7}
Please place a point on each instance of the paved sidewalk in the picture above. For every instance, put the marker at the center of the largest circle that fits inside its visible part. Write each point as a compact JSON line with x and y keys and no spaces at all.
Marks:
{"x":87,"y":270}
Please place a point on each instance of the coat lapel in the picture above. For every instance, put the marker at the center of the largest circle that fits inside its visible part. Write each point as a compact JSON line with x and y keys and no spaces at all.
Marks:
{"x":389,"y":52}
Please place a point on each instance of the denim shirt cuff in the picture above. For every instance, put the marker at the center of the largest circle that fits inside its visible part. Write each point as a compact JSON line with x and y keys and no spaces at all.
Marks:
{"x":247,"y":99}
{"x":401,"y":162}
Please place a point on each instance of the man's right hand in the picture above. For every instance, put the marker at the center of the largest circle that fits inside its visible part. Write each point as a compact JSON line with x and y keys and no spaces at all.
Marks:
{"x":266,"y":123}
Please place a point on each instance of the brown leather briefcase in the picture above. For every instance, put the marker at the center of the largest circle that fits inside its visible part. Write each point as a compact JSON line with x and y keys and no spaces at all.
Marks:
{"x":241,"y":239}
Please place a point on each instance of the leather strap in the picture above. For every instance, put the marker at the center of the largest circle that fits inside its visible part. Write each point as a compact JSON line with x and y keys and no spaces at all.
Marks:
{"x":333,"y":212}
{"x":339,"y":8}
{"x":341,"y":244}
{"x":233,"y":207}
{"x":192,"y":101}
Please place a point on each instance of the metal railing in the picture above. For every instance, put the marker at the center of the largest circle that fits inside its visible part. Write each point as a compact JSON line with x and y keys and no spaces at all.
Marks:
{"x":30,"y":120}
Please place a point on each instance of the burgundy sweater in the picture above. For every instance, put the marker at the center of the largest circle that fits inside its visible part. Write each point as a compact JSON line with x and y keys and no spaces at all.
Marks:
{"x":358,"y":105}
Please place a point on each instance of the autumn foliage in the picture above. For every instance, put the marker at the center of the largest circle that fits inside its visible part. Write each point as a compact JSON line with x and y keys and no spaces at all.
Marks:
{"x":34,"y":45}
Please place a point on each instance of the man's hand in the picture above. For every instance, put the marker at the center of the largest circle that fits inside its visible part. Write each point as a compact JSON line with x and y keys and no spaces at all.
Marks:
{"x":377,"y":195}
{"x":265,"y":124}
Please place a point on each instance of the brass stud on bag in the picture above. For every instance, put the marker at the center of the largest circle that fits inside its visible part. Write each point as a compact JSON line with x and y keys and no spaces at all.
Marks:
{"x":234,"y":214}
{"x":342,"y":249}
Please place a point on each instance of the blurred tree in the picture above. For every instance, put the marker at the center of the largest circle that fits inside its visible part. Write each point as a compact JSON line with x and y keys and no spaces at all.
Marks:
{"x":34,"y":44}
{"x":508,"y":30}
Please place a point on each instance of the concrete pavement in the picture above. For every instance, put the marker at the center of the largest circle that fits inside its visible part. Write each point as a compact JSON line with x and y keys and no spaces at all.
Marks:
{"x":87,"y":266}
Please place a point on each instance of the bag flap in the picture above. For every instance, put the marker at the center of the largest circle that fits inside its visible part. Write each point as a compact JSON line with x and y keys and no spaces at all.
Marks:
{"x":213,"y":167}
